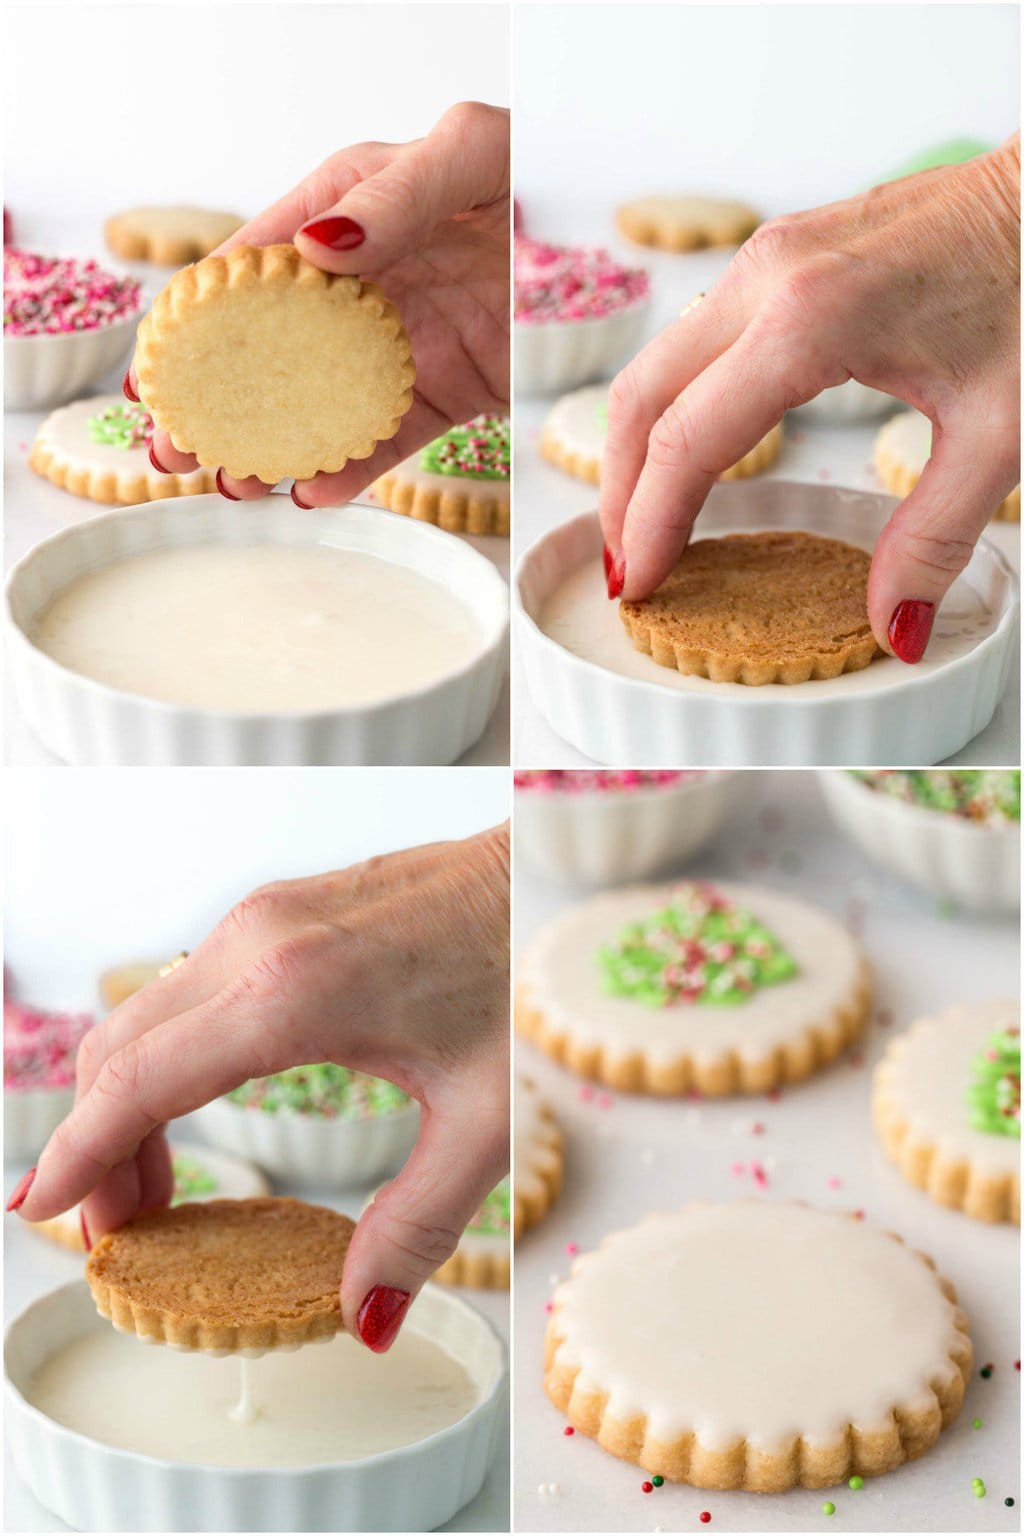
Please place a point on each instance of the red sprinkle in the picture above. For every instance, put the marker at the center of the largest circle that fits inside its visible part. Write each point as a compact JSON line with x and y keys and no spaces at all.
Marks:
{"x":704,"y":1517}
{"x":646,"y":1487}
{"x":568,"y":1430}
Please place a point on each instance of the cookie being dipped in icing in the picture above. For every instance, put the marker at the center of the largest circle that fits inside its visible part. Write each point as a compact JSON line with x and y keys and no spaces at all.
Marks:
{"x":99,"y":449}
{"x":460,"y":482}
{"x":699,"y":986}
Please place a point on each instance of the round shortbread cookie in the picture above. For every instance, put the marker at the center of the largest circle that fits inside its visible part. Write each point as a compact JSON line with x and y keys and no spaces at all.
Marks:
{"x":483,"y":1259}
{"x":539,"y":1159}
{"x":200,"y":1173}
{"x":461,"y":481}
{"x":169,"y":237}
{"x":574,"y":434}
{"x":757,"y":1346}
{"x":757,"y":608}
{"x":946,"y":1106}
{"x":99,"y":448}
{"x":260,"y":364}
{"x":902,"y":449}
{"x":685,"y":223}
{"x":712,"y":987}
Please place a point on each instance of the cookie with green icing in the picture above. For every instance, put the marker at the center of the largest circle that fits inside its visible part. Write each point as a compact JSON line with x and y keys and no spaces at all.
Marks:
{"x":704,"y":987}
{"x":461,"y":481}
{"x":99,"y":448}
{"x":947,"y":1108}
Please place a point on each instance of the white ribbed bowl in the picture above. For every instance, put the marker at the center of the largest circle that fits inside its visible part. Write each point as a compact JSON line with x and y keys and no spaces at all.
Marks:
{"x":94,"y":1487}
{"x":596,"y":837}
{"x":309,"y":1149}
{"x":87,"y":723}
{"x":889,"y":715}
{"x":31,"y":1115}
{"x":47,"y":370}
{"x":557,"y":355}
{"x":954,"y":860}
{"x":846,"y":404}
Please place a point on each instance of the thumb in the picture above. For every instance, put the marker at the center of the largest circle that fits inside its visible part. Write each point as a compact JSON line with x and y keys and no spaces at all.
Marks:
{"x":416,"y":1221}
{"x":461,"y":165}
{"x":930,"y":538}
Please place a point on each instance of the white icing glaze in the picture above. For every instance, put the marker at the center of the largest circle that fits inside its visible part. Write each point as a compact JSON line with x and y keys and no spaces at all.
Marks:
{"x":562,"y":977}
{"x":65,"y":433}
{"x":260,"y":628}
{"x":536,"y":1140}
{"x":311,"y":1406}
{"x":908,"y":439}
{"x":925,"y":1075}
{"x":755,"y":1322}
{"x":576,"y":422}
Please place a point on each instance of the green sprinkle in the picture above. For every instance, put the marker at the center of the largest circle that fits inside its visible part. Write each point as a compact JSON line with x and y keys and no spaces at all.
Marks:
{"x":986,"y":1372}
{"x":979,"y":1490}
{"x":480,"y":450}
{"x":323,"y":1090}
{"x":120,"y":426}
{"x":976,"y":1424}
{"x":828,"y":1508}
{"x":856,"y":1482}
{"x":994,"y":1094}
{"x":976,"y":1482}
{"x":1008,"y":1503}
{"x":657,"y":1480}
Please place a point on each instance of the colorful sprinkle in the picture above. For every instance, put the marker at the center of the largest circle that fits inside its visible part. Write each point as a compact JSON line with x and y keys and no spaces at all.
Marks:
{"x":704,"y":1517}
{"x":986,"y":1371}
{"x":856,"y":1481}
{"x":987,"y":795}
{"x":568,"y":1430}
{"x":994,"y":1095}
{"x":828,"y":1508}
{"x":979,"y":1488}
{"x":658,"y":1480}
{"x":976,"y":1424}
{"x":53,"y":295}
{"x":560,"y":283}
{"x":588,"y":781}
{"x":121,"y":426}
{"x":481,"y":450}
{"x":40,"y":1047}
{"x":323,"y":1091}
{"x":646,"y":1487}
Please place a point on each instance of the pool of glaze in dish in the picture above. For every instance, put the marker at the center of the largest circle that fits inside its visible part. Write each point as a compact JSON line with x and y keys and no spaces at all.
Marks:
{"x":347,"y":635}
{"x":617,"y":705}
{"x":103,"y":1468}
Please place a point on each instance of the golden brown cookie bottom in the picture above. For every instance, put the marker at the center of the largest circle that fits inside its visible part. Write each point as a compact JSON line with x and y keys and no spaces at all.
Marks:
{"x":950,"y":1181}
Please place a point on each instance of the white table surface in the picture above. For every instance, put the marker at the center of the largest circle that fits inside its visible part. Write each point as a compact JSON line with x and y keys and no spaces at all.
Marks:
{"x":546,"y":496}
{"x":34,"y":509}
{"x":34,"y":1264}
{"x":642,"y":1154}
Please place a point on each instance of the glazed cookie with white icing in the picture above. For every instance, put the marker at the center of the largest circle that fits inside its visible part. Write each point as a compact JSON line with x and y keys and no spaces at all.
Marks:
{"x":539,"y":1159}
{"x":903,"y":448}
{"x":947,"y":1108}
{"x":99,"y":449}
{"x":461,"y":481}
{"x":199,"y":1174}
{"x":789,"y":1347}
{"x":483,"y":1258}
{"x":714,"y":988}
{"x":574,"y":434}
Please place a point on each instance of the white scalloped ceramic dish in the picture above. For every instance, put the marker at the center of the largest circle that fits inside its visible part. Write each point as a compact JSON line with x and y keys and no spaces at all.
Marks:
{"x":309,"y":1149}
{"x":617,"y":706}
{"x":97,"y":1487}
{"x":31,"y":1115}
{"x":597,"y":837}
{"x":974,"y":865}
{"x":88,"y":723}
{"x":557,"y":355}
{"x":47,"y":370}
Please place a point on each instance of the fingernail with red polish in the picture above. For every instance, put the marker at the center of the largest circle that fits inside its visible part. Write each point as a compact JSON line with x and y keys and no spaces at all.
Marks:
{"x":297,"y":502}
{"x":20,"y":1195}
{"x":228,"y":495}
{"x":910,"y":628}
{"x":617,"y":577}
{"x":156,"y":462}
{"x":126,"y":388}
{"x":609,"y":561}
{"x":380,"y":1316}
{"x":339,"y":233}
{"x":86,"y":1239}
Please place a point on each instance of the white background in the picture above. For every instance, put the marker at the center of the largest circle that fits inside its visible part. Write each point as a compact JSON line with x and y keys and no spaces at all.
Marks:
{"x":643,"y":1154}
{"x":784,"y":105}
{"x":108,"y":865}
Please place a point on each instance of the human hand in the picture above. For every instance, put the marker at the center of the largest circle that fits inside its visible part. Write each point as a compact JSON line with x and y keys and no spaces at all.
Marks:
{"x":913,"y":289}
{"x":429,"y":223}
{"x":397,"y":967}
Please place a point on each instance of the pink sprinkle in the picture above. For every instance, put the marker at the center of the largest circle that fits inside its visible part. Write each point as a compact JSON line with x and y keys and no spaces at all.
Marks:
{"x":835,"y":1183}
{"x":572,"y":1248}
{"x":23,"y":447}
{"x":757,"y":1129}
{"x":52,"y":295}
{"x":605,"y":1101}
{"x":736,"y":1170}
{"x":759,"y":1175}
{"x":586,"y":1093}
{"x":568,"y":1430}
{"x":559,"y":283}
{"x":549,"y":1306}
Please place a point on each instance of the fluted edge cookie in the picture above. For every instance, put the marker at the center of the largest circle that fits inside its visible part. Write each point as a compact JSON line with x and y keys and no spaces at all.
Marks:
{"x":260,"y":364}
{"x":539,"y":1157}
{"x":224,"y":1276}
{"x":580,"y":1007}
{"x":168,"y":236}
{"x":483,"y":1259}
{"x":573,"y":438}
{"x":902,"y":449}
{"x":700,"y":1391}
{"x":98,"y":449}
{"x":460,"y":482}
{"x":759,"y":608}
{"x":685,"y":223}
{"x":941,"y":1112}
